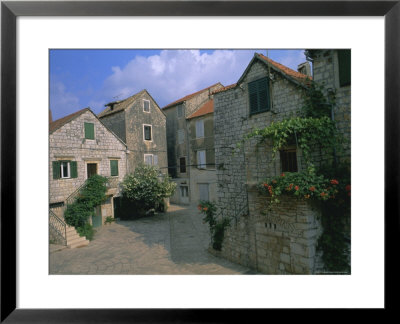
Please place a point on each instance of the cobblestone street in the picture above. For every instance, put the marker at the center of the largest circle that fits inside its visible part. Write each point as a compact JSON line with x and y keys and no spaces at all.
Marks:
{"x":175,"y":242}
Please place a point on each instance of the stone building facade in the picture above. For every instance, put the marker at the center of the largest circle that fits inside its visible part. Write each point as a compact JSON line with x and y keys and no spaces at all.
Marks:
{"x":203,"y":177}
{"x":80,"y":146}
{"x":182,"y":158}
{"x":140,"y":123}
{"x":280,"y":239}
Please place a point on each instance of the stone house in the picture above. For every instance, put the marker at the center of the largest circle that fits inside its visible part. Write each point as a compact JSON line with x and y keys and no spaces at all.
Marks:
{"x":140,"y":123}
{"x":279,"y":240}
{"x":191,"y":161}
{"x":80,"y":145}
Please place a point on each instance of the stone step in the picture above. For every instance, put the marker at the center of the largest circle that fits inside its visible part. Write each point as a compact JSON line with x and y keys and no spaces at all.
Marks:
{"x":79,"y":243}
{"x":76,"y":239}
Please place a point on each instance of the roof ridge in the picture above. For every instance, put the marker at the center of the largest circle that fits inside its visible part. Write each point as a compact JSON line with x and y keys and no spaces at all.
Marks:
{"x":285,"y":69}
{"x":190,"y":95}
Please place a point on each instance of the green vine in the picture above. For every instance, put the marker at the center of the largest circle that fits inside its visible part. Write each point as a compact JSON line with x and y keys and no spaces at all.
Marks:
{"x":311,"y":132}
{"x":217,"y":226}
{"x":92,"y":194}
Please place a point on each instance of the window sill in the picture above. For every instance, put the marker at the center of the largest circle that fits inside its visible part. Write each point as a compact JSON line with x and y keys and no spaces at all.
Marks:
{"x":259,"y":112}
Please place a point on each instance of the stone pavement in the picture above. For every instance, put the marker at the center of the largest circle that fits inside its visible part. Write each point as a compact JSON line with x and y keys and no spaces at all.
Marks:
{"x":175,"y":242}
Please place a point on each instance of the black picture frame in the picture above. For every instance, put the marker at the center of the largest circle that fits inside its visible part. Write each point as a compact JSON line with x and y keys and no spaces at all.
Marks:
{"x":11,"y":10}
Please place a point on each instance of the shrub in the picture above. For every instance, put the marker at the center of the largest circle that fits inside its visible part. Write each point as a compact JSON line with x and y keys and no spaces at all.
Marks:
{"x":145,"y":189}
{"x":87,"y":231}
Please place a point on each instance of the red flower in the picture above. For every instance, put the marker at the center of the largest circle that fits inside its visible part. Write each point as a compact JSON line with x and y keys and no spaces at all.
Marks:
{"x":312,"y":188}
{"x":296,"y":188}
{"x":322,"y":194}
{"x":334,"y":182}
{"x":205,"y":208}
{"x":199,"y":207}
{"x":265,"y":185}
{"x":348,"y":187}
{"x":282,"y":175}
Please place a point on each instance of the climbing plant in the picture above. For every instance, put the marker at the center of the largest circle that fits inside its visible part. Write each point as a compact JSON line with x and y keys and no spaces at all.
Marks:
{"x":92,"y":194}
{"x":329,"y":185}
{"x":217,"y":225}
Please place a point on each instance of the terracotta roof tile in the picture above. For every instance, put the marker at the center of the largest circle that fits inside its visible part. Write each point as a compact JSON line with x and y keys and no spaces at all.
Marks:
{"x":288,"y":71}
{"x":205,"y":109}
{"x":188,"y":96}
{"x":225,"y":88}
{"x":118,"y":105}
{"x":53,"y":126}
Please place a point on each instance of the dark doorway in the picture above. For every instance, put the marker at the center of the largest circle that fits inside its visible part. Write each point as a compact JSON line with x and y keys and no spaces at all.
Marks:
{"x":91,"y":169}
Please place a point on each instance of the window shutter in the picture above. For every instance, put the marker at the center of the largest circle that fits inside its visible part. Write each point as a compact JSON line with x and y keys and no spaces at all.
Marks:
{"x":263,"y":95}
{"x":89,"y":130}
{"x":56,"y":170}
{"x":259,"y":96}
{"x":114,"y":168}
{"x":253,"y":97}
{"x":74,"y":169}
{"x":199,"y":128}
{"x":155,"y":159}
{"x":344,"y":58}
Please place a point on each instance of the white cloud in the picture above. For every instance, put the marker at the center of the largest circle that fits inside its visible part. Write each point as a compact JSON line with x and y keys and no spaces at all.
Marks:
{"x":62,"y":102}
{"x":173,"y":74}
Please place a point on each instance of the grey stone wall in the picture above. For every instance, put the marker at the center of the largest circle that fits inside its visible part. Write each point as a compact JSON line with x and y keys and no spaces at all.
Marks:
{"x":135,"y":119}
{"x":116,"y":122}
{"x":69,"y":143}
{"x":129,"y":124}
{"x":283,"y":239}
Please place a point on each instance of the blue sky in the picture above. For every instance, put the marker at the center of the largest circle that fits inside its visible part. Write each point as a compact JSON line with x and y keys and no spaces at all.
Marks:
{"x":92,"y":78}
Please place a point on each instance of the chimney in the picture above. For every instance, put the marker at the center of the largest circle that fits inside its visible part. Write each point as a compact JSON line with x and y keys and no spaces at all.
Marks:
{"x":304,"y":68}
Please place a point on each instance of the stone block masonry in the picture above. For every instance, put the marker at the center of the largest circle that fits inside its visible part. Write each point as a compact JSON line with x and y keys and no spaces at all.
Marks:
{"x":279,"y":238}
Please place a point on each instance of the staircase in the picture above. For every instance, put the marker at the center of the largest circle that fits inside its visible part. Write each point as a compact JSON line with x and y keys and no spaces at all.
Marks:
{"x":73,"y":238}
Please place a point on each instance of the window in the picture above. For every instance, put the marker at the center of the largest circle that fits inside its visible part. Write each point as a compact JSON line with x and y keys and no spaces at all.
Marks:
{"x":181,"y":136}
{"x":259,"y":96}
{"x":89,"y":131}
{"x":114,"y":168}
{"x":147,"y":132}
{"x":344,"y":58}
{"x":146,"y":105}
{"x":184,"y":191}
{"x":65,"y":169}
{"x":180,"y":111}
{"x":288,"y":160}
{"x":199,"y":128}
{"x":182,"y":165}
{"x":201,"y":159}
{"x":203,"y":192}
{"x":148,"y":159}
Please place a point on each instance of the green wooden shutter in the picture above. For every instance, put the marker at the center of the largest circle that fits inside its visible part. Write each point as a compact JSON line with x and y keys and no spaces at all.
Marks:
{"x":56,"y":170}
{"x":253,"y":97}
{"x":263,"y":95}
{"x":114,"y":168}
{"x":344,"y":57}
{"x":74,"y":169}
{"x":259,"y":96}
{"x":89,"y":130}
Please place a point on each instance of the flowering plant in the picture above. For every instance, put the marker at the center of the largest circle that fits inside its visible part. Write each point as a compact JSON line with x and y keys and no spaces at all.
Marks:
{"x":306,"y":185}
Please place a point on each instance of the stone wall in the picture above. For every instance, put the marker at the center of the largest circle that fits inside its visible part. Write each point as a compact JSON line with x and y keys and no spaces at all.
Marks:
{"x":135,"y":119}
{"x":69,"y":143}
{"x":129,"y":124}
{"x":281,"y":240}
